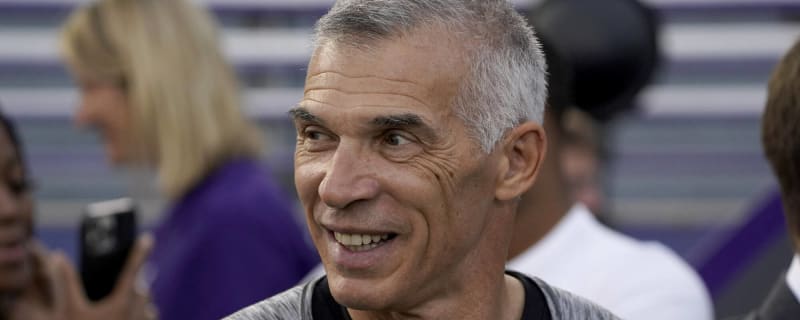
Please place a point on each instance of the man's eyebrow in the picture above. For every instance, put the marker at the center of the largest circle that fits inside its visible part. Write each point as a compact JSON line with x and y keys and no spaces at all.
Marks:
{"x":300,"y":113}
{"x":405,"y":121}
{"x":399,"y":120}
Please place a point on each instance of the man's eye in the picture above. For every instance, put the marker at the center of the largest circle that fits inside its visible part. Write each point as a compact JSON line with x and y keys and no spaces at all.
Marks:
{"x":395,"y":139}
{"x":314,"y":134}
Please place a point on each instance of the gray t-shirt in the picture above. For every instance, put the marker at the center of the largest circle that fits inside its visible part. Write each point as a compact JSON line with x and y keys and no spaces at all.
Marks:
{"x":296,"y":304}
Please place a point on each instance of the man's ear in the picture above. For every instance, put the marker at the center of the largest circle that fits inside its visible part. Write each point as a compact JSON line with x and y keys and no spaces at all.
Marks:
{"x":523,"y":152}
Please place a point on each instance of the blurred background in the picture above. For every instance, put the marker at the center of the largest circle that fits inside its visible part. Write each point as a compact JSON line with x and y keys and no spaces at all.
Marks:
{"x":684,"y":167}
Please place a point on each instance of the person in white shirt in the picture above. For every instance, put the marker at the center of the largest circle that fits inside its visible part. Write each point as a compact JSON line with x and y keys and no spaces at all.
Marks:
{"x":780,"y":129}
{"x":560,"y":241}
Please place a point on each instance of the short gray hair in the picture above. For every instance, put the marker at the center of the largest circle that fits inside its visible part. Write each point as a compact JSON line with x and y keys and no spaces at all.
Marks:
{"x":506,"y":85}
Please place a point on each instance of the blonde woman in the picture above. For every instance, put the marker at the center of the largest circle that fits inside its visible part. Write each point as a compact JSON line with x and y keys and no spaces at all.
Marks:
{"x":155,"y":85}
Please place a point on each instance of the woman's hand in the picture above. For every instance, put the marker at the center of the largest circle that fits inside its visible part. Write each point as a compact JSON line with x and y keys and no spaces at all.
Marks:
{"x":126,"y":301}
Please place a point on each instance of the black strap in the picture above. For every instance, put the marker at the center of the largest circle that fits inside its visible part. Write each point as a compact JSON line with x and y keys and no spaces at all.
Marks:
{"x":324,"y":307}
{"x":535,"y":303}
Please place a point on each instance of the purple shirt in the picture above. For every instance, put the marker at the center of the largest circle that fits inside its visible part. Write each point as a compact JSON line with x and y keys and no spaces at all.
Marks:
{"x":228,"y":243}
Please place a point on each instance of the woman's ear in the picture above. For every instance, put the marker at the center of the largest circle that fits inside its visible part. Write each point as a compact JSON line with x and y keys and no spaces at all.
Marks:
{"x":523,"y":152}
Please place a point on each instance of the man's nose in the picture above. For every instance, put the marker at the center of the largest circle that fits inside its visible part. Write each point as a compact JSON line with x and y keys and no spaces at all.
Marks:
{"x":349,"y":178}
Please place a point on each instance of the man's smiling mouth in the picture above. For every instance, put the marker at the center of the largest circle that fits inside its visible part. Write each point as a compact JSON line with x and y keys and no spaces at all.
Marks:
{"x":362,"y":242}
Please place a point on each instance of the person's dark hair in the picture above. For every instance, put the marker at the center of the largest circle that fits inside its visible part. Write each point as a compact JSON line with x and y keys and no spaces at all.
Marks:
{"x":612,"y":47}
{"x":10,"y":129}
{"x":559,"y":82}
{"x":780,"y":133}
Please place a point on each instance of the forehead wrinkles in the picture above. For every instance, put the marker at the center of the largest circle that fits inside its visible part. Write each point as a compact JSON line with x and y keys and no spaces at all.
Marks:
{"x":390,"y":92}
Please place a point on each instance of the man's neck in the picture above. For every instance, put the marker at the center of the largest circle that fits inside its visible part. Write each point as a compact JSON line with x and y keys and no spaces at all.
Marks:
{"x":542,"y":207}
{"x":539,"y":211}
{"x":506,"y":302}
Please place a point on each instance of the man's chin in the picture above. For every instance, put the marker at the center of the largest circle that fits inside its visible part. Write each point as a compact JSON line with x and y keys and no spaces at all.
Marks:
{"x":360,"y":294}
{"x":364,"y":302}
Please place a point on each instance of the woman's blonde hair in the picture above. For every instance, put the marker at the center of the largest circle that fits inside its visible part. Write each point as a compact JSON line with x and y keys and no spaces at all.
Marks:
{"x":183,"y":96}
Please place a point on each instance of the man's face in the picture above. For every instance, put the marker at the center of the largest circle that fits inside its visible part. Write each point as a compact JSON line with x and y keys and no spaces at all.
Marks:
{"x":395,"y":193}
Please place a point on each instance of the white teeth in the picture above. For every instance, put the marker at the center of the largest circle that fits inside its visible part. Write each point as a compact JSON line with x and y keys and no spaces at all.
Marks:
{"x":363,"y":248}
{"x":345,"y":238}
{"x":360,"y":242}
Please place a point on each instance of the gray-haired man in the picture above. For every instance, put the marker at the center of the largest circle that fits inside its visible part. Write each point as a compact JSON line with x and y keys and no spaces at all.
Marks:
{"x":419,"y":129}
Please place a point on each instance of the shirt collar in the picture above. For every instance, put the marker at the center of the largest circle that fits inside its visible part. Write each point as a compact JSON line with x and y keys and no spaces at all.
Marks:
{"x":793,"y":277}
{"x":575,"y":222}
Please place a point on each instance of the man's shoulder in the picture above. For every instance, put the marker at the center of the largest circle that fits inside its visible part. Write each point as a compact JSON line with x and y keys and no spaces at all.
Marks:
{"x":780,"y":304}
{"x":637,"y":267}
{"x":651,"y":270}
{"x":564,"y":305}
{"x":290,"y":304}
